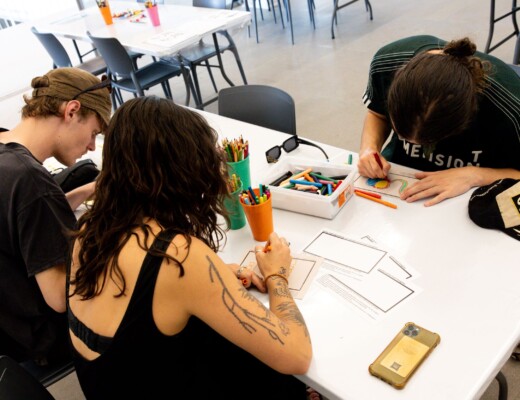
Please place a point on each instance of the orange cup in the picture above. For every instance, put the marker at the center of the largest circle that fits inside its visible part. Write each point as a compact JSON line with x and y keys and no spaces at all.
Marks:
{"x":106,"y":13}
{"x":260,"y":218}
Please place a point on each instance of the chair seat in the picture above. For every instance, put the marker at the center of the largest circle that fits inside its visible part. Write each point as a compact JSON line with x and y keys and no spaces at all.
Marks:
{"x":149,"y":75}
{"x":202,"y":51}
{"x":96,"y":66}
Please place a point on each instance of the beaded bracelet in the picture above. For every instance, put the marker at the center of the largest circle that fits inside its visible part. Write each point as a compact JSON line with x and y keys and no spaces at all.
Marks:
{"x":279,"y":275}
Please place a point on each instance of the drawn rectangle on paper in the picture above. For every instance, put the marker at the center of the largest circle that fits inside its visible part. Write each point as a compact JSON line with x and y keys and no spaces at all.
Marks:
{"x":345,"y":251}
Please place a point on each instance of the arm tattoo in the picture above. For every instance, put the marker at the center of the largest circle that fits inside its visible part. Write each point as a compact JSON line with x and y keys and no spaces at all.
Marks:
{"x":252,"y":321}
{"x":291,"y":312}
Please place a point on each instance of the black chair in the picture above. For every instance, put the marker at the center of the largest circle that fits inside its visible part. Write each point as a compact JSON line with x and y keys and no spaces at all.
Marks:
{"x":48,"y":375}
{"x":17,"y":383}
{"x":493,"y":19}
{"x":201,"y":53}
{"x":126,"y":77}
{"x":60,"y":57}
{"x":338,"y":7}
{"x":262,"y":105}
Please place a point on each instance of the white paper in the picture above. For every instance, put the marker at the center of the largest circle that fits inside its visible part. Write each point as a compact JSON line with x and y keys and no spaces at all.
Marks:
{"x":304,"y":269}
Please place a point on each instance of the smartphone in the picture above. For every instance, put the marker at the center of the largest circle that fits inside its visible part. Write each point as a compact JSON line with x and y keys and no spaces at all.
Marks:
{"x":401,"y":358}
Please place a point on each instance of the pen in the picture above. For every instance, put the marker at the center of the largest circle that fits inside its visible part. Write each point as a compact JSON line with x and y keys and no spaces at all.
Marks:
{"x":366,"y":196}
{"x":377,"y":196}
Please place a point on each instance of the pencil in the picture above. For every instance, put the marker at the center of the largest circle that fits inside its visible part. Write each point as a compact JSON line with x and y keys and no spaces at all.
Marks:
{"x":366,"y":196}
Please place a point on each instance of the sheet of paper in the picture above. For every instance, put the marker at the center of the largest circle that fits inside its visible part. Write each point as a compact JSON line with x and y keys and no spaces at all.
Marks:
{"x":365,"y":277}
{"x":302,"y":275}
{"x":373,"y":297}
{"x":394,"y":187}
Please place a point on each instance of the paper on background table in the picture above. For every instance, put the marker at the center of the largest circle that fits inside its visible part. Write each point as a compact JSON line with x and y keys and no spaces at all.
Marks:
{"x":304,"y":270}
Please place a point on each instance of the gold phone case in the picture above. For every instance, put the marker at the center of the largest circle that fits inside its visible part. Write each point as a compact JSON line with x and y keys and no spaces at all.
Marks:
{"x":401,"y":358}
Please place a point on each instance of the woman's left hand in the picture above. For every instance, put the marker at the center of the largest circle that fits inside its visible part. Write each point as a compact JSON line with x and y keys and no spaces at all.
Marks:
{"x":247,"y":277}
{"x":440,"y":185}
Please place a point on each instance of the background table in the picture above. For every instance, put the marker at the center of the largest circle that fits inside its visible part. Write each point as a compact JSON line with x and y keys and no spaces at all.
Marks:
{"x":180,"y":26}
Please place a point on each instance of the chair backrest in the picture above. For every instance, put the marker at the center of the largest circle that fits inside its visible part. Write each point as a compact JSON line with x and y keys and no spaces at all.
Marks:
{"x":210,"y":3}
{"x":17,"y":383}
{"x":262,"y":105}
{"x":115,"y":55}
{"x":59,"y":55}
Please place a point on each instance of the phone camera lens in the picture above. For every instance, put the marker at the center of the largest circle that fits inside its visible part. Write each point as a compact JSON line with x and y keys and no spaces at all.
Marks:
{"x":415,"y":332}
{"x":407,"y":332}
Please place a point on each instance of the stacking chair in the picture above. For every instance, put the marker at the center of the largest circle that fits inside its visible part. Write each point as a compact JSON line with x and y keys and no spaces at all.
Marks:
{"x":60,"y":57}
{"x":201,"y":53}
{"x":338,"y":6}
{"x":17,"y":383}
{"x":493,"y":19}
{"x":262,"y":105}
{"x":48,"y":375}
{"x":125,"y":76}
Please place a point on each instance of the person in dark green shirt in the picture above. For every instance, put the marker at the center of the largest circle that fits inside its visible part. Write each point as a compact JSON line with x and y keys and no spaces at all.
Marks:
{"x":452,"y":112}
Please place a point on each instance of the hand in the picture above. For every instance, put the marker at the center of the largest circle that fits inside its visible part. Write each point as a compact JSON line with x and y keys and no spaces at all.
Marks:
{"x":440,"y":185}
{"x":277,"y":260}
{"x":247,"y":277}
{"x":369,"y":167}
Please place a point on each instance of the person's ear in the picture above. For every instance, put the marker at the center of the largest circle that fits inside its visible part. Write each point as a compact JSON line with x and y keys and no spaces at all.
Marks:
{"x":72,"y":108}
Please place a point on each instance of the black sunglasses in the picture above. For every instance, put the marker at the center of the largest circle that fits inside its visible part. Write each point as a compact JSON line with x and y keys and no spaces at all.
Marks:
{"x":274,"y":153}
{"x":105,"y":83}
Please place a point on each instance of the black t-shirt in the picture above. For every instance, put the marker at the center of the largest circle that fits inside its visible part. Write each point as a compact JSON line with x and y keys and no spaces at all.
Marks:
{"x":34,"y":218}
{"x":492,"y":140}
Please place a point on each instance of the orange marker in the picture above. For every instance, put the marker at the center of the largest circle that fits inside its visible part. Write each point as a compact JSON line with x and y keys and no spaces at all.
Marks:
{"x":385,"y":203}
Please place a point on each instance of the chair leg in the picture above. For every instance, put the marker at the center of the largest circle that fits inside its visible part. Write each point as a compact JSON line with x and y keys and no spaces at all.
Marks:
{"x":256,"y":21}
{"x":289,"y":13}
{"x":310,"y":5}
{"x":502,"y":386}
{"x":208,"y":67}
{"x":239,"y":64}
{"x":281,"y":13}
{"x":196,"y":82}
{"x":190,"y":88}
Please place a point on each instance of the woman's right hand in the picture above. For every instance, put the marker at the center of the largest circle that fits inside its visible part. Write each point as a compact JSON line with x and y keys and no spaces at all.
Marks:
{"x":369,"y":167}
{"x":276,"y":260}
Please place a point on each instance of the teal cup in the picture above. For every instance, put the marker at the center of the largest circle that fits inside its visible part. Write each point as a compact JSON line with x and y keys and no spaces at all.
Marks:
{"x":237,"y":217}
{"x":242,"y":170}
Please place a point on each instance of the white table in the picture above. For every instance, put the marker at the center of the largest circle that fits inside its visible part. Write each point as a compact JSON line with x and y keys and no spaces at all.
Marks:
{"x":180,"y":26}
{"x":469,"y":277}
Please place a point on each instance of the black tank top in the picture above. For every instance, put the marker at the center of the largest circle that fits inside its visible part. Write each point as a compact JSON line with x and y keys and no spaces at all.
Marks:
{"x":196,"y":363}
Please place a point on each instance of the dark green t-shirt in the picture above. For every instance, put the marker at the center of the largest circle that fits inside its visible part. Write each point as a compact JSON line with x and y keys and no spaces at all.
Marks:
{"x":493,"y":139}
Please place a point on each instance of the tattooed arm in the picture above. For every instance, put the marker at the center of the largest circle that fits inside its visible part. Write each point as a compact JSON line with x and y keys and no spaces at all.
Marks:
{"x":211,"y":291}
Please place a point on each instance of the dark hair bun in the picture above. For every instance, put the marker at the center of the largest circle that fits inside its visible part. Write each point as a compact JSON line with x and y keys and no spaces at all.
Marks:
{"x":460,"y":48}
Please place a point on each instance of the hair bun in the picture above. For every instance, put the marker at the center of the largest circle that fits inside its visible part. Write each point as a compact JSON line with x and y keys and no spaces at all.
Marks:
{"x":40,"y":81}
{"x":460,"y":48}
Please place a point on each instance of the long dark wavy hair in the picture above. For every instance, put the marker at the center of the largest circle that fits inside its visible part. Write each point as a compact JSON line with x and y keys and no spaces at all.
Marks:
{"x":435,"y":96}
{"x":161,"y":161}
